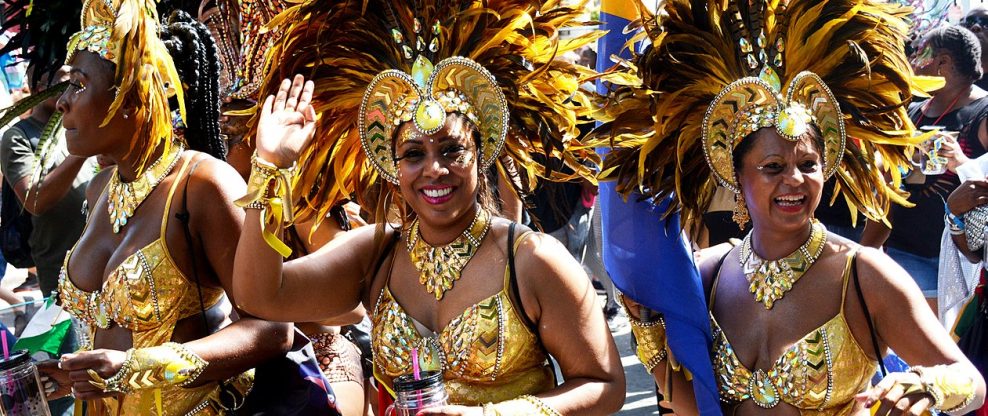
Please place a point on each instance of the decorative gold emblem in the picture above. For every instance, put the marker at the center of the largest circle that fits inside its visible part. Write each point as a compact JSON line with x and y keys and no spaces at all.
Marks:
{"x":125,"y":197}
{"x":439,"y":267}
{"x":769,"y":280}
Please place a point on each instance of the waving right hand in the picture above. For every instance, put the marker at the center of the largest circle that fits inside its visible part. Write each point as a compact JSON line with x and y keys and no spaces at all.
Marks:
{"x":287,"y":122}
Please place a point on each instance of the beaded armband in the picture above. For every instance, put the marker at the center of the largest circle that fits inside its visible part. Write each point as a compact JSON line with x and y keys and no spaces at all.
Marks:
{"x":523,"y":405}
{"x":974,"y":227}
{"x":269,"y":189}
{"x":951,"y":391}
{"x":650,"y":337}
{"x":169,"y":364}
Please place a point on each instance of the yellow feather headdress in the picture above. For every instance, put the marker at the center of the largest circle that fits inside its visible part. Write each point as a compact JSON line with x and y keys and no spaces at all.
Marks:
{"x":343,"y":46}
{"x":714,"y":71}
{"x":125,"y":32}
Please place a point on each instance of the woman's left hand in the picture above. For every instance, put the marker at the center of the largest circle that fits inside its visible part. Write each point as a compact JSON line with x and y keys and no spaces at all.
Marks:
{"x":453,"y":410}
{"x":104,"y":362}
{"x":951,"y":149}
{"x":897,"y":394}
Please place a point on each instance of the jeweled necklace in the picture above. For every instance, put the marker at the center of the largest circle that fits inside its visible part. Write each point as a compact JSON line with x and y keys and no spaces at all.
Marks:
{"x":124,"y":197}
{"x":439,"y":267}
{"x":769,"y":280}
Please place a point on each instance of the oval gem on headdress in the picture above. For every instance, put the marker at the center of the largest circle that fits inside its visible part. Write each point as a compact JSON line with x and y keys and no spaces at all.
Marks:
{"x":436,"y":28}
{"x":417,"y":25}
{"x":407,"y":50}
{"x":745,"y":45}
{"x":429,"y":116}
{"x":793,"y":121}
{"x":771,"y":77}
{"x":752,"y":62}
{"x":780,"y":46}
{"x":396,"y":35}
{"x":762,"y":40}
{"x":422,"y":70}
{"x":434,"y":45}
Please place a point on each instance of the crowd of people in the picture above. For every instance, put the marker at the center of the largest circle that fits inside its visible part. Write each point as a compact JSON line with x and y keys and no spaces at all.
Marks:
{"x":289,"y":207}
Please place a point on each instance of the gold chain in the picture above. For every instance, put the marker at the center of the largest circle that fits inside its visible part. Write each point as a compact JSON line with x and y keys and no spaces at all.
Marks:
{"x":769,"y":280}
{"x":124,"y":197}
{"x":439,"y":267}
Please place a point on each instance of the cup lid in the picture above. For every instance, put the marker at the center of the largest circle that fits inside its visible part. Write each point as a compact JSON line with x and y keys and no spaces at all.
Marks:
{"x":407,"y":382}
{"x":16,"y":358}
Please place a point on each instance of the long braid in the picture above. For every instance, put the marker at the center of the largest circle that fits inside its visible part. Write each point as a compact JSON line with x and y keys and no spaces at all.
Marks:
{"x":195,"y":55}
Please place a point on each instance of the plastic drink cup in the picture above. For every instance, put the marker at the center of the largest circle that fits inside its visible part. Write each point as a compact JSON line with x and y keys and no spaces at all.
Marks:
{"x":21,"y":392}
{"x":414,"y":395}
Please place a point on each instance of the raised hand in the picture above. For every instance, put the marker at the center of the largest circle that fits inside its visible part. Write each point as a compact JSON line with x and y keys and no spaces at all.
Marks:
{"x":287,"y":122}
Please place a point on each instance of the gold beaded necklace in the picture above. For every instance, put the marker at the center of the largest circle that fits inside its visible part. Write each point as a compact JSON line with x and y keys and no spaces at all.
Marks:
{"x":769,"y":280}
{"x":124,"y":197}
{"x":439,"y":267}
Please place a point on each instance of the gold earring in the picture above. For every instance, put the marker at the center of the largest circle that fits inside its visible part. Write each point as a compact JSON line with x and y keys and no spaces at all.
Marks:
{"x":740,"y":211}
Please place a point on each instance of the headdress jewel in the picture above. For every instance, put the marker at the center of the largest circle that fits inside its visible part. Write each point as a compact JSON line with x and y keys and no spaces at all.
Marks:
{"x":425,"y":97}
{"x":752,"y":103}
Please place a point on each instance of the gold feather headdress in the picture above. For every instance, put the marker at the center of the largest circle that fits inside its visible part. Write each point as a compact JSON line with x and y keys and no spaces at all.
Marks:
{"x":125,"y":32}
{"x":493,"y":61}
{"x":717,"y":70}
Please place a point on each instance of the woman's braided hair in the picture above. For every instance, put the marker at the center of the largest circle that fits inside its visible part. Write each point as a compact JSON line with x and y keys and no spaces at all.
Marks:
{"x":194,"y":51}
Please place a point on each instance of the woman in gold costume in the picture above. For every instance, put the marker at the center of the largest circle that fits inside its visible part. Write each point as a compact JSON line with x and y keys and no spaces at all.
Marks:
{"x":426,"y":98}
{"x":139,"y":279}
{"x":778,"y":97}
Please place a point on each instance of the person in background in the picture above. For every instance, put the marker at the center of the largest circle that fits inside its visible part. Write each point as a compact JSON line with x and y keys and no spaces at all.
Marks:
{"x":976,"y":21}
{"x":954,"y":53}
{"x":56,"y":201}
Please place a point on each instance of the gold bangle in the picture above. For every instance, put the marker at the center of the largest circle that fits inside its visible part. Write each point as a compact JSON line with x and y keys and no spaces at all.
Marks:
{"x":523,"y":405}
{"x":950,"y":390}
{"x":256,"y":205}
{"x":169,"y":364}
{"x":270,"y":190}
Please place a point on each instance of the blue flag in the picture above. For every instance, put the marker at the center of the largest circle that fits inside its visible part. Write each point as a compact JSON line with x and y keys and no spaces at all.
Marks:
{"x":646,"y":256}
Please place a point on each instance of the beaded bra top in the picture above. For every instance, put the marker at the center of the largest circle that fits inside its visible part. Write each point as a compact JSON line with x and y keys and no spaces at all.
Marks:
{"x":487,"y":354}
{"x":819,"y":374}
{"x":146,"y":294}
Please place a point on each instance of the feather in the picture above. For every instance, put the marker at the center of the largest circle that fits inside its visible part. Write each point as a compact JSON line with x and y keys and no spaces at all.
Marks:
{"x":341,"y":46}
{"x":652,"y":118}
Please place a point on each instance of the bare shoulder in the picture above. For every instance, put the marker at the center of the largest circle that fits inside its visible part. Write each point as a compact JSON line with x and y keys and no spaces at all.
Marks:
{"x":211,"y":175}
{"x":708,"y":261}
{"x":541,"y":255}
{"x":879,"y":274}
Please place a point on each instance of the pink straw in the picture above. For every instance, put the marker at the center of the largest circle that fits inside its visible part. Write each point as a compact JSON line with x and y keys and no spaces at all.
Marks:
{"x":6,"y":351}
{"x":415,"y":360}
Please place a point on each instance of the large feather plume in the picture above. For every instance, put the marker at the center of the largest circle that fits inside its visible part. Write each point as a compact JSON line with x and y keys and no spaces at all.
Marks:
{"x":145,"y":74}
{"x":655,"y":115}
{"x":342,"y":45}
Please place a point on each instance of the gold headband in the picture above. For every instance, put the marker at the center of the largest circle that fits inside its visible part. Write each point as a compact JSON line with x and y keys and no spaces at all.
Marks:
{"x":455,"y":85}
{"x":753,"y":103}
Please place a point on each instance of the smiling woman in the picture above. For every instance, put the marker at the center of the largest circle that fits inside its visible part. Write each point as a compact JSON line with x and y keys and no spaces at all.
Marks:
{"x":800,"y":317}
{"x":450,"y":286}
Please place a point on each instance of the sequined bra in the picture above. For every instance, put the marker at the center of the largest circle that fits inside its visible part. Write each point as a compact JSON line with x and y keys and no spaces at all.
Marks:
{"x":146,"y":294}
{"x":819,"y":374}
{"x":487,"y":354}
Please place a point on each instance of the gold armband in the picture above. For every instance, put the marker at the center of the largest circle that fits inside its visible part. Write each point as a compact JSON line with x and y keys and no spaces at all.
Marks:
{"x":169,"y":364}
{"x":650,"y":338}
{"x":270,"y":190}
{"x":951,"y":391}
{"x":523,"y":405}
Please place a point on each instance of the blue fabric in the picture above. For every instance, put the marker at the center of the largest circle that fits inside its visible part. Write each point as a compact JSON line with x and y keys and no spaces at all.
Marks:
{"x":649,"y":262}
{"x":923,"y":270}
{"x":646,"y":256}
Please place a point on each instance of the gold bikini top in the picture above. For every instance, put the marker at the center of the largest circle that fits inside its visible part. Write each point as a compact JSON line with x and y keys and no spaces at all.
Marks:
{"x":146,"y":293}
{"x":489,"y":353}
{"x":819,"y":374}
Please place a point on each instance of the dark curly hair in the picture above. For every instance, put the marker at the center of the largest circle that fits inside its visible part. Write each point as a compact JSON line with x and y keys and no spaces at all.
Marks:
{"x":194,"y":51}
{"x":963,"y":47}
